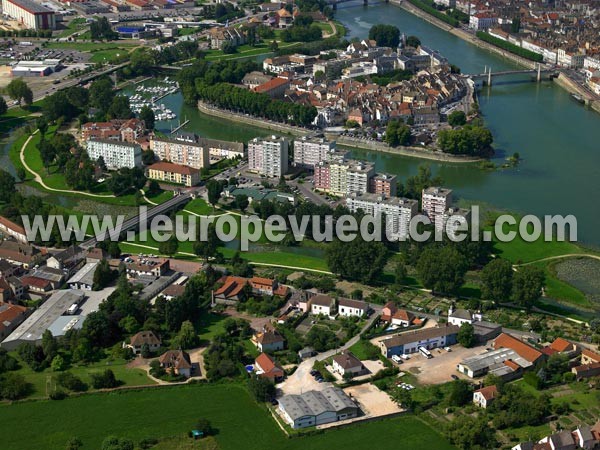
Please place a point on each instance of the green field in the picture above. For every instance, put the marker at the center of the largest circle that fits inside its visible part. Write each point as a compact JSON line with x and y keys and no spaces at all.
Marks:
{"x":172,"y":411}
{"x":43,"y":383}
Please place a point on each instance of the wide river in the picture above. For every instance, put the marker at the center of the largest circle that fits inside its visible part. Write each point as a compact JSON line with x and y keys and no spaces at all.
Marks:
{"x":558,"y":139}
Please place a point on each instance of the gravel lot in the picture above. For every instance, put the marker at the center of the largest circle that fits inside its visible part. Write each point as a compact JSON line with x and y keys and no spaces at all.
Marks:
{"x":441,"y":367}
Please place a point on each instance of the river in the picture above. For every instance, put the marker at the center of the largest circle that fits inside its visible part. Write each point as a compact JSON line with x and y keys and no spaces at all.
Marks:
{"x":558,"y":139}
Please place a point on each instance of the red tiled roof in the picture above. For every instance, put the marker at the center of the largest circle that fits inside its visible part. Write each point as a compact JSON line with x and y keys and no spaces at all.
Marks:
{"x":9,"y":314}
{"x":590,"y":354}
{"x":11,"y":225}
{"x":36,"y":282}
{"x":271,"y":84}
{"x":269,"y":367}
{"x":524,"y":350}
{"x":488,"y":392}
{"x":561,"y":345}
{"x":232,"y":286}
{"x":173,"y":168}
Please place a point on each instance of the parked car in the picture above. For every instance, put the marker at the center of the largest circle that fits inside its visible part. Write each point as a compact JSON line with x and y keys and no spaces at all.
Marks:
{"x":454,"y":377}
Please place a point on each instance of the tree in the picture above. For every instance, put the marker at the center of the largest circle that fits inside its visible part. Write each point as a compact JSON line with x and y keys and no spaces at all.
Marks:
{"x":356,"y":260}
{"x":101,"y":29}
{"x":103,"y":275}
{"x":74,"y":443}
{"x":528,"y":283}
{"x":104,"y":380}
{"x":21,"y":173}
{"x":58,"y":363}
{"x":457,"y":118}
{"x":262,"y":389}
{"x":18,"y":90}
{"x":13,"y":386}
{"x":3,"y":106}
{"x":7,"y":186}
{"x":148,"y":157}
{"x":213,"y":190}
{"x":397,"y":133}
{"x":147,"y":115}
{"x":400,"y":273}
{"x":466,"y":140}
{"x":114,"y":250}
{"x":115,"y":443}
{"x":71,"y":382}
{"x":187,"y":337}
{"x":169,"y":247}
{"x":460,"y":393}
{"x":466,"y":335}
{"x":442,"y":270}
{"x":497,"y":278}
{"x":467,"y":432}
{"x":204,"y":425}
{"x":385,"y":35}
{"x":49,"y":345}
{"x":120,"y":108}
{"x":101,"y":94}
{"x":413,"y":41}
{"x":241,"y":202}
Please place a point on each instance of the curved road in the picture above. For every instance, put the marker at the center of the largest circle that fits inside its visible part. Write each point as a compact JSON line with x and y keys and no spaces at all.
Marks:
{"x":38,"y":179}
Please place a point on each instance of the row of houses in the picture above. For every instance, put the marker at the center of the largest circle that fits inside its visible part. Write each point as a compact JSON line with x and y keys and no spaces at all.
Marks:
{"x":583,"y":437}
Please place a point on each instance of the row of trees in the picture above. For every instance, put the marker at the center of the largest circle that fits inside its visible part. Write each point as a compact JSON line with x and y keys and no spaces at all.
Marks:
{"x":261,"y":105}
{"x":501,"y":283}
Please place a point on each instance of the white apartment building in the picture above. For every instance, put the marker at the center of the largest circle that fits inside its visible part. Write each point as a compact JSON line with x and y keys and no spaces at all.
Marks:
{"x":436,"y":201}
{"x":398,"y":211}
{"x":116,"y":154}
{"x":308,"y":152}
{"x":268,"y":157}
{"x":186,"y":153}
{"x":358,"y":176}
{"x":456,"y":220}
{"x":482,"y":21}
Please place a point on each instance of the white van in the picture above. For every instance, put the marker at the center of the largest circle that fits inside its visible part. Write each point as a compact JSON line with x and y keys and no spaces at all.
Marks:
{"x":396,"y":359}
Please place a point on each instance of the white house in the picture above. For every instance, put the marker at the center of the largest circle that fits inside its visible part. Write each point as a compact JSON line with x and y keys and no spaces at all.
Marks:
{"x":321,"y":304}
{"x":348,"y":307}
{"x":460,"y":316}
{"x":484,"y":396}
{"x":347,"y":364}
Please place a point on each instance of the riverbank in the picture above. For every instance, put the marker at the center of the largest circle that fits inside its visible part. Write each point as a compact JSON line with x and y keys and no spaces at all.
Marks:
{"x":460,"y":33}
{"x":413,"y":152}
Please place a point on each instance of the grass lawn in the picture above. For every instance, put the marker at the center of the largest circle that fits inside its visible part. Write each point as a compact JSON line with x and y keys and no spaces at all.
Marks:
{"x":360,"y":349}
{"x":172,"y":411}
{"x":199,"y":206}
{"x":107,"y":55}
{"x":91,"y":46}
{"x":561,"y":290}
{"x":519,"y":251}
{"x":43,"y":382}
{"x":210,"y":325}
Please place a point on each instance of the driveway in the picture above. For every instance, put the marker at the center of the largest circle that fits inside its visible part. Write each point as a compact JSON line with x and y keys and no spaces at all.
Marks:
{"x":302,"y":381}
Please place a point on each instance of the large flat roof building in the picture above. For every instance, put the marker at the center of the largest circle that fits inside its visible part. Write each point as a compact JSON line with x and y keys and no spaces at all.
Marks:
{"x":116,"y":154}
{"x":32,"y":15}
{"x":42,"y":319}
{"x":314,"y":408}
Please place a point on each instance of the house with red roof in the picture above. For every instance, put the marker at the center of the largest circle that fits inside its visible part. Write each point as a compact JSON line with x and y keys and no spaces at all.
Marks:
{"x":400,"y":317}
{"x":564,"y":347}
{"x":266,"y":367}
{"x":274,"y":88}
{"x":589,"y":357}
{"x":484,"y":396}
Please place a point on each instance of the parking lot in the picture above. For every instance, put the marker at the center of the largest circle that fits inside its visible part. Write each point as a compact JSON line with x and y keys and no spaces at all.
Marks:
{"x":441,"y":367}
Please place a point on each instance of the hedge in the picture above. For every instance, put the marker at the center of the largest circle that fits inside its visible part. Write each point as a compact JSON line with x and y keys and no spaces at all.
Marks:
{"x":520,"y":51}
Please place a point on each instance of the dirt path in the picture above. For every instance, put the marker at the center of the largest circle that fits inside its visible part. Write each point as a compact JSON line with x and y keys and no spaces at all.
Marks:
{"x":38,"y":179}
{"x":568,"y":255}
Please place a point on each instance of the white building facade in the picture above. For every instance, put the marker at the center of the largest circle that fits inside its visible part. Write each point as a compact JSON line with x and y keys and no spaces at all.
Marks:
{"x":268,"y":157}
{"x":116,"y":154}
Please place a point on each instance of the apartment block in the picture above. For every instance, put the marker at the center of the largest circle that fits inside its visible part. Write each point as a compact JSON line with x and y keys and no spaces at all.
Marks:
{"x":398,"y":211}
{"x":268,"y":157}
{"x":435,"y":202}
{"x":116,"y":154}
{"x":383,"y":183}
{"x":340,"y":177}
{"x":455,"y":218}
{"x":308,"y":152}
{"x":184,"y":152}
{"x":358,"y":176}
